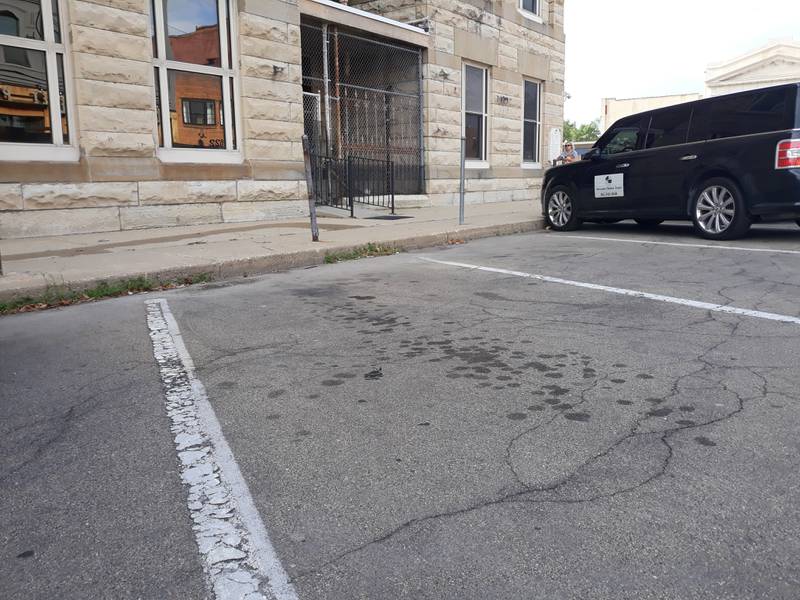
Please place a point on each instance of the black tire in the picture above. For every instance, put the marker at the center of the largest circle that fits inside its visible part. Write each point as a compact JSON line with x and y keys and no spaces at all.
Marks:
{"x":649,"y":223}
{"x":560,"y":209}
{"x":719,"y":211}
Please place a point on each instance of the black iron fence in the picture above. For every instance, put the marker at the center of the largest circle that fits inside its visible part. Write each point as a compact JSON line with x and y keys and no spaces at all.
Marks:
{"x":341,"y":182}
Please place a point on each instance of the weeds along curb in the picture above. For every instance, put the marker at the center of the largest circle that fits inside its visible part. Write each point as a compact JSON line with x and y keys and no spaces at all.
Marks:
{"x":52,"y":295}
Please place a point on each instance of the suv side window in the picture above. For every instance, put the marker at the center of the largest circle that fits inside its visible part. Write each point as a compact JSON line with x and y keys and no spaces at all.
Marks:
{"x":668,"y":127}
{"x":742,"y":114}
{"x":622,"y":140}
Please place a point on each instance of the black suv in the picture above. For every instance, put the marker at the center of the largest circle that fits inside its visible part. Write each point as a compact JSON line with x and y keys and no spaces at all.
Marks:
{"x":723,"y":162}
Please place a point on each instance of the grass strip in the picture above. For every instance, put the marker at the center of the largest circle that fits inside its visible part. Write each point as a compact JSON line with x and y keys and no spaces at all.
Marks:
{"x":61,"y":295}
{"x":364,"y":251}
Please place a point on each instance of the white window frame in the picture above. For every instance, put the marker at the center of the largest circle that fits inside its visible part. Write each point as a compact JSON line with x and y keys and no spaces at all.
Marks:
{"x":532,"y":15}
{"x":227,"y":72}
{"x":538,"y":120}
{"x":471,"y":163}
{"x":57,"y":151}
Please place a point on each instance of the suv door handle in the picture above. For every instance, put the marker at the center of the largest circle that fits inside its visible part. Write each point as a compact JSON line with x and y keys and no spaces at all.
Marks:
{"x":623,"y":165}
{"x":689,"y":157}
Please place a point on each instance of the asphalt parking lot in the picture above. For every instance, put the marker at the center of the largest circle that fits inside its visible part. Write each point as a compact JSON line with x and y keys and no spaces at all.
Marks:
{"x":609,"y":413}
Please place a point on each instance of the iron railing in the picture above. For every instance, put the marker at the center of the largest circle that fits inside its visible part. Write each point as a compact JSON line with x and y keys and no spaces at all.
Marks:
{"x":341,"y":182}
{"x":368,"y":95}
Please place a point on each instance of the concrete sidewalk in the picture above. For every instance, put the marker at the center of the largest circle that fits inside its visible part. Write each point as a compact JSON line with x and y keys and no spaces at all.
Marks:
{"x":222,"y":251}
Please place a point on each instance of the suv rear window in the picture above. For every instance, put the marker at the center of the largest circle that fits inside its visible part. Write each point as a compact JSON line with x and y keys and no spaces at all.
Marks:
{"x":743,"y":114}
{"x":668,"y":127}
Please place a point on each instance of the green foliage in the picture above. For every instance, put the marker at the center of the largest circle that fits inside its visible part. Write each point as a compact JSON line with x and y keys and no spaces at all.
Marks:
{"x":587,"y":132}
{"x":61,"y":295}
{"x":365,"y":251}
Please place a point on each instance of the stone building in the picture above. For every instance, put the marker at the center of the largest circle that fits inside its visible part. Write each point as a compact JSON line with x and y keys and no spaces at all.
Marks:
{"x":127,"y":114}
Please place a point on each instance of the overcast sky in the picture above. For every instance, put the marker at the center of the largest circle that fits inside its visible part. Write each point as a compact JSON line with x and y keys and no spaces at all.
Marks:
{"x":629,"y":48}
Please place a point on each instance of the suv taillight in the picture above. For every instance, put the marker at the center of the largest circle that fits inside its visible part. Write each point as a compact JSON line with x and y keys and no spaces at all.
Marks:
{"x":788,"y":155}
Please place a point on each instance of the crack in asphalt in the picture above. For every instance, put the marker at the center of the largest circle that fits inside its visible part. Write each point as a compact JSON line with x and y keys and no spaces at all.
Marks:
{"x":521,"y":492}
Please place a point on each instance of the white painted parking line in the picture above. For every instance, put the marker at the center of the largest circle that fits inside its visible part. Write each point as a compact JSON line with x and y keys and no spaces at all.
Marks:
{"x":237,"y":554}
{"x":679,"y":244}
{"x":745,"y":312}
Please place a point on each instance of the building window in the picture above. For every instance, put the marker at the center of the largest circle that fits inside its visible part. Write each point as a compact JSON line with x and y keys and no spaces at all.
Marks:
{"x":531,"y":6}
{"x":531,"y":122}
{"x":199,"y":112}
{"x":476,"y":81}
{"x":35,"y":115}
{"x":194,"y":70}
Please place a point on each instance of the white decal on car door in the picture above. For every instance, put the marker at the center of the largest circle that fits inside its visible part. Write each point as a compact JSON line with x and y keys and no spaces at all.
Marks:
{"x":609,"y":186}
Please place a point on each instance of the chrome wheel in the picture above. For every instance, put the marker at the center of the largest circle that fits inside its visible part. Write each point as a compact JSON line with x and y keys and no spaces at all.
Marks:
{"x":715,"y":209}
{"x":559,"y":209}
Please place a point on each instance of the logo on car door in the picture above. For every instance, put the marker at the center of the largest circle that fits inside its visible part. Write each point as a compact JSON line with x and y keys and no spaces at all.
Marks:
{"x":609,"y":186}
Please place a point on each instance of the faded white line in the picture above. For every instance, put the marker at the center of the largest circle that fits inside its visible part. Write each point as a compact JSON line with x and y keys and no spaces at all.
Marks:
{"x":678,"y":244}
{"x":745,"y":312}
{"x":238,"y":557}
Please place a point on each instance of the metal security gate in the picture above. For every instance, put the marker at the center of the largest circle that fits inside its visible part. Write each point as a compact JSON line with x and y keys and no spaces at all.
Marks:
{"x":363,"y":116}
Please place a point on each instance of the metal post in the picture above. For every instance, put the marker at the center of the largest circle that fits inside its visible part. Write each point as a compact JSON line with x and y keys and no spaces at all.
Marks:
{"x":349,"y":188}
{"x":312,"y":197}
{"x":421,"y":156}
{"x":326,"y":88}
{"x":391,"y":183}
{"x":461,"y":184}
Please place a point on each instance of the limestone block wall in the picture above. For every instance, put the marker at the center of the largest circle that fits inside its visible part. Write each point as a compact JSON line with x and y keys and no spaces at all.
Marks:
{"x":495,"y":35}
{"x":119,"y":181}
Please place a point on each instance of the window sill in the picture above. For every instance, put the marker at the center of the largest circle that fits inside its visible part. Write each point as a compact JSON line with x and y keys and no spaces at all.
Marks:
{"x":530,"y":16}
{"x":38,"y":153}
{"x":530,"y":165}
{"x":199,"y":156}
{"x":476,"y":164}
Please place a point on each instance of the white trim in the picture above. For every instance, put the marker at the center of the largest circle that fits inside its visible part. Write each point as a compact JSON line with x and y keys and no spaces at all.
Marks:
{"x":472,"y":163}
{"x":477,"y":164}
{"x":533,"y":16}
{"x":530,"y":16}
{"x":12,"y":152}
{"x":368,"y":15}
{"x":228,"y":32}
{"x":199,"y":156}
{"x":57,"y":150}
{"x":537,"y":120}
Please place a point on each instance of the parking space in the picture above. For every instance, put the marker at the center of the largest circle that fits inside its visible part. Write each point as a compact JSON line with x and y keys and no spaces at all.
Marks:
{"x":414,"y":429}
{"x":417,"y":429}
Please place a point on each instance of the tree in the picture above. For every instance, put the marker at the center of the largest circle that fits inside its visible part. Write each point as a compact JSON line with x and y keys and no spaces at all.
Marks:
{"x":588,"y":132}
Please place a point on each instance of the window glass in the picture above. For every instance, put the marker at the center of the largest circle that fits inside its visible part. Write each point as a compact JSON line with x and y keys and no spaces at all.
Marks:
{"x":22,"y":18}
{"x":158,"y":107}
{"x":195,"y":95}
{"x":742,"y":114}
{"x":24,"y":105}
{"x":56,"y":23}
{"x":530,"y":5}
{"x":475,"y":93}
{"x":530,"y":125}
{"x":473,"y":134}
{"x":668,"y":127}
{"x":192,"y":29}
{"x":62,"y":97}
{"x":622,"y":140}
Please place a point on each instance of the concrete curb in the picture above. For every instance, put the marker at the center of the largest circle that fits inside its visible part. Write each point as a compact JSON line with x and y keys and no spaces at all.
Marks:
{"x":261,"y":265}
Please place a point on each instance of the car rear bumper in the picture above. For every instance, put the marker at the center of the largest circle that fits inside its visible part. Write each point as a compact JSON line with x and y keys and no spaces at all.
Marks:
{"x":781,"y":198}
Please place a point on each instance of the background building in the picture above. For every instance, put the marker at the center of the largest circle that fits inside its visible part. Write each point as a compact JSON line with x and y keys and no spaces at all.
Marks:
{"x":175,"y":112}
{"x":774,"y":64}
